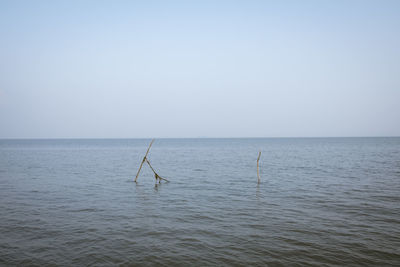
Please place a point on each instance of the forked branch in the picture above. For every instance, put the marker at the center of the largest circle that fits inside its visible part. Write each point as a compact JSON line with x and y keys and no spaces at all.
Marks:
{"x":158,"y":177}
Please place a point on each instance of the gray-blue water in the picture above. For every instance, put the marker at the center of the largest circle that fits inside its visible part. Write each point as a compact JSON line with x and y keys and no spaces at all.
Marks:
{"x":321,"y":201}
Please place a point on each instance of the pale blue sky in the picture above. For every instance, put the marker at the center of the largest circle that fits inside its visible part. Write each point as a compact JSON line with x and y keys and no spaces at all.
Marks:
{"x":109,"y":69}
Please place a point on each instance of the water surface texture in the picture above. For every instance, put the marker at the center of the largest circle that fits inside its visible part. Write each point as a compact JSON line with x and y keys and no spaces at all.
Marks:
{"x":322,"y":201}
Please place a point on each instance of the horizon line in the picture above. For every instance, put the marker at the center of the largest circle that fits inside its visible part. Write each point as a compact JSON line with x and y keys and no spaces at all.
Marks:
{"x":202,"y":137}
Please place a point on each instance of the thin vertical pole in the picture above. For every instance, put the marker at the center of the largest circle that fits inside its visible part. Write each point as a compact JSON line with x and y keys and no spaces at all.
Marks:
{"x":258,"y":166}
{"x":144,"y":159}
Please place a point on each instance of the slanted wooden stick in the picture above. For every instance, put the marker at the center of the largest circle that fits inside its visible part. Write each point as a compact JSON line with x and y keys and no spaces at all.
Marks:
{"x":258,"y":166}
{"x":155,"y":174}
{"x":144,"y":159}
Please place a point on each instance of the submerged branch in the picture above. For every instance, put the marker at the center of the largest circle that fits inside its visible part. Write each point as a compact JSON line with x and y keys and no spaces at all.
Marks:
{"x":155,"y":174}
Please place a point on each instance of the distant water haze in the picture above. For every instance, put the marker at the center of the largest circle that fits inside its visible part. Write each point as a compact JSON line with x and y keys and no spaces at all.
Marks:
{"x":101,"y":69}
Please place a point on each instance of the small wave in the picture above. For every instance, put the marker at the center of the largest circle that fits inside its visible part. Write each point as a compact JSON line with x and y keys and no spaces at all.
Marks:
{"x":85,"y":210}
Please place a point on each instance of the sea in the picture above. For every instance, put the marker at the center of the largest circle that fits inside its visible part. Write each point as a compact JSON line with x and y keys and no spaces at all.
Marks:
{"x":319,"y":202}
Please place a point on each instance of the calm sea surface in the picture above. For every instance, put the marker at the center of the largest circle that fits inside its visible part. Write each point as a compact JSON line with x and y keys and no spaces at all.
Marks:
{"x":322,"y":202}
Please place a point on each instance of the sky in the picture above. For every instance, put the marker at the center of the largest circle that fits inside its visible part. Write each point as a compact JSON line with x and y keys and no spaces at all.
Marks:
{"x":172,"y":69}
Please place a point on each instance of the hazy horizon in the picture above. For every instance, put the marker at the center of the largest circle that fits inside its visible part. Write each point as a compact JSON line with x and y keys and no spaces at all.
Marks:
{"x":205,"y":69}
{"x":199,"y":137}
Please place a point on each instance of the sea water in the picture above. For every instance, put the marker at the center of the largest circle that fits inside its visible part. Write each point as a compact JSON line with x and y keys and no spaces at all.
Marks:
{"x":321,"y":201}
